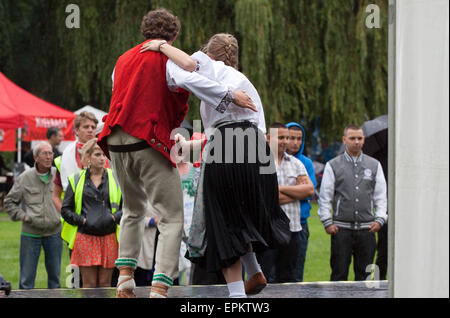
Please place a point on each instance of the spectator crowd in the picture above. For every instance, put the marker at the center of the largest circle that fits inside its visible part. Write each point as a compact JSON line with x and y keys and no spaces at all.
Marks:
{"x":74,"y":198}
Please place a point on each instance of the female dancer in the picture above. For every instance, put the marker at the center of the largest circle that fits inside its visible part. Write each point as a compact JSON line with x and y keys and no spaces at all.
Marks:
{"x":240,"y":191}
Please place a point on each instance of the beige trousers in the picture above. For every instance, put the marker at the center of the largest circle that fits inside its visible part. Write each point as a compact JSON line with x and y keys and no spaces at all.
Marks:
{"x":146,"y":176}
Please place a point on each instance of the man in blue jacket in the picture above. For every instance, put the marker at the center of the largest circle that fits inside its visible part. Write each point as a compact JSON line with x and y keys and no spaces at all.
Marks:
{"x":295,"y":148}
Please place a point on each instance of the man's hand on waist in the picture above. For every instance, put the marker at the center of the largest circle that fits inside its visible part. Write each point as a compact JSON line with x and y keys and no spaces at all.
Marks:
{"x":332,"y":229}
{"x":241,"y":99}
{"x":375,"y":227}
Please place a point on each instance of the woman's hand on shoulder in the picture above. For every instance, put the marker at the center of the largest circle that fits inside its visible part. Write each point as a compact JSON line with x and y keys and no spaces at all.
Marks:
{"x":153,"y":45}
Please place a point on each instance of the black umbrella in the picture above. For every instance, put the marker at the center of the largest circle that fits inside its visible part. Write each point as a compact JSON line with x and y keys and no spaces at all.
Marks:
{"x":376,"y":139}
{"x":376,"y":125}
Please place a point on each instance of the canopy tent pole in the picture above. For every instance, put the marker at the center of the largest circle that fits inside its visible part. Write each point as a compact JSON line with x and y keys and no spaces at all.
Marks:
{"x":19,"y":145}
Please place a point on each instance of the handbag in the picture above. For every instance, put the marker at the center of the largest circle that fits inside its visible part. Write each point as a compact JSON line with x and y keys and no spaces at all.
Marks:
{"x":197,"y":232}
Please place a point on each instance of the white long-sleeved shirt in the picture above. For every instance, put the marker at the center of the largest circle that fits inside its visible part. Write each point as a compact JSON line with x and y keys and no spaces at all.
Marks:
{"x":217,"y":95}
{"x":218,"y":72}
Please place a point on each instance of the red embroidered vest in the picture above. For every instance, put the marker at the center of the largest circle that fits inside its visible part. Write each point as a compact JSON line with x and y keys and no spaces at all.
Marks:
{"x":142,"y":104}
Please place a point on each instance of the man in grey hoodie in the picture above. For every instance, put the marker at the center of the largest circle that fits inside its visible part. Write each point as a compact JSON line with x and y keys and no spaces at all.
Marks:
{"x":30,"y":201}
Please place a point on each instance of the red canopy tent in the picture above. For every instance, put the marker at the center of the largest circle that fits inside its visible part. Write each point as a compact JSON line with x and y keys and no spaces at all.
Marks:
{"x":7,"y":139}
{"x":21,"y":109}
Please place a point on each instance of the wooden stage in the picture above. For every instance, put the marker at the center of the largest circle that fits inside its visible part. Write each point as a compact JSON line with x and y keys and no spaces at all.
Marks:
{"x":366,"y":289}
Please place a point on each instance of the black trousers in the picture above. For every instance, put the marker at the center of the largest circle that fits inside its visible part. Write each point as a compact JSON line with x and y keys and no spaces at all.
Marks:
{"x":282,"y":265}
{"x":382,"y":248}
{"x":359,"y":243}
{"x":200,"y":276}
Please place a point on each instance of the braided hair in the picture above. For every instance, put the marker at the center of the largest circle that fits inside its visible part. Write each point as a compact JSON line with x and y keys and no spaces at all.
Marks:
{"x":224,"y":47}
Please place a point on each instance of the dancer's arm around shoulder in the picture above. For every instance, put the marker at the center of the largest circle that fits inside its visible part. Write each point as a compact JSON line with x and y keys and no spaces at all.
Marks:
{"x":187,"y":63}
{"x":178,"y":56}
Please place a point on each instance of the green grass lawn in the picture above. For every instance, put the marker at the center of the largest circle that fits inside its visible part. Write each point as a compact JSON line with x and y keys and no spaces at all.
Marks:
{"x":9,"y":255}
{"x":317,"y":267}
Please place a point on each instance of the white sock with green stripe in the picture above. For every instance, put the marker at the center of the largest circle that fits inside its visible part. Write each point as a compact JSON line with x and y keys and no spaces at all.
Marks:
{"x":160,"y":285}
{"x":128,"y":281}
{"x":120,"y":262}
{"x":162,"y":279}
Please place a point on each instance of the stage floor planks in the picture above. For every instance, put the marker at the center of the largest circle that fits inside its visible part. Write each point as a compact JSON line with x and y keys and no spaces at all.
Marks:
{"x":366,"y":289}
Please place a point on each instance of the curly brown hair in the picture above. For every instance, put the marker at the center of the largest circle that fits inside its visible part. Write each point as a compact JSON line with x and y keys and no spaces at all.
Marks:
{"x":160,"y":24}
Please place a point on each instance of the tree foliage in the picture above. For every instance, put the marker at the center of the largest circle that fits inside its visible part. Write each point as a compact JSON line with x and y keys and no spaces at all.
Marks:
{"x":308,"y":59}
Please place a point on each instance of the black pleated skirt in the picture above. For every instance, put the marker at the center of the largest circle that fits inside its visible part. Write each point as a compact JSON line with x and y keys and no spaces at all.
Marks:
{"x":240,"y":197}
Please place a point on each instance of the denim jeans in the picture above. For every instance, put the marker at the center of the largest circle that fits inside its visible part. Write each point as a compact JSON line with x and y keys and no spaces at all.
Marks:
{"x":304,"y":236}
{"x":382,"y":248}
{"x":30,"y":250}
{"x":359,"y":243}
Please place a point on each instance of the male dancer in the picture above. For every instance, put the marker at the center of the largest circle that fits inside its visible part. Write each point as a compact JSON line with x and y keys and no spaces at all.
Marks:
{"x":147,"y":103}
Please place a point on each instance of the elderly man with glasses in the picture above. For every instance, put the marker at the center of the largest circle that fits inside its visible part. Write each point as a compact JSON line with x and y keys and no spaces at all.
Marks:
{"x":30,"y":201}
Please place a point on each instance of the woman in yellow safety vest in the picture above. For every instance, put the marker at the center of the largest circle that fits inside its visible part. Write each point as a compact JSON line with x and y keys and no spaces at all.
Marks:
{"x":92,"y":211}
